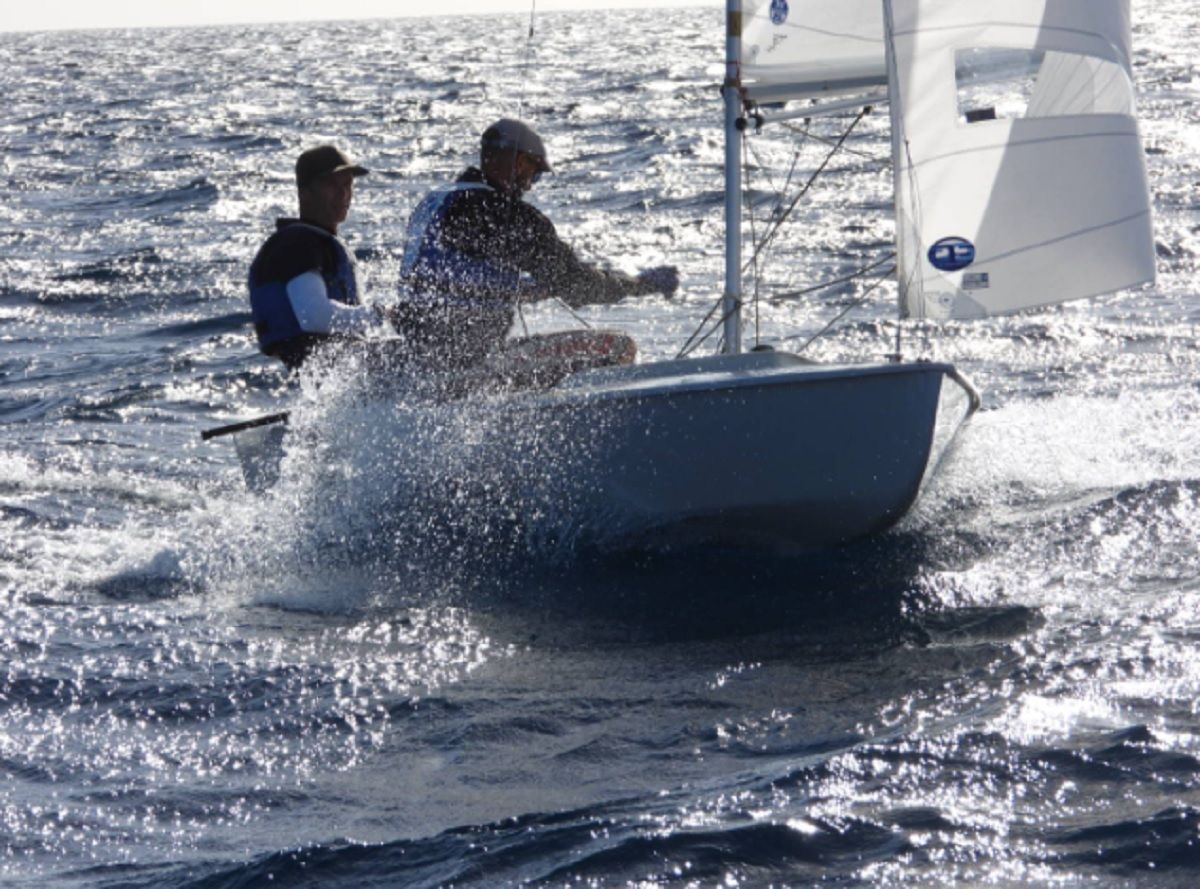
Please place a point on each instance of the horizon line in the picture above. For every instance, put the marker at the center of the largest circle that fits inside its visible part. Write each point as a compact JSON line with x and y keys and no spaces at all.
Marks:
{"x":511,"y":8}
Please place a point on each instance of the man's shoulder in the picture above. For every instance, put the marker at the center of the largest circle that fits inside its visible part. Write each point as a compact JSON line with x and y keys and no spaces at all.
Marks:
{"x":533,"y":219}
{"x":469,"y":188}
{"x":292,"y":249}
{"x":465,"y":201}
{"x":471,"y":175}
{"x":292,"y":233}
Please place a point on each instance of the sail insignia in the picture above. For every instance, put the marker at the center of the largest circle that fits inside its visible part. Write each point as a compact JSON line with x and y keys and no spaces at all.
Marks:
{"x":951,"y":254}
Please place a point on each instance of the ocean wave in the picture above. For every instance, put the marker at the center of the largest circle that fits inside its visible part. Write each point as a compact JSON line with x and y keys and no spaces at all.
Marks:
{"x":1131,"y":756}
{"x":1163,"y":847}
{"x":565,"y":850}
{"x":129,"y":265}
{"x":18,"y":409}
{"x":215,"y":325}
{"x":118,"y":200}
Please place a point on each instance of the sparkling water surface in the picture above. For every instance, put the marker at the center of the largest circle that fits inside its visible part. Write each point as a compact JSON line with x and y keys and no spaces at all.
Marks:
{"x":383,"y":674}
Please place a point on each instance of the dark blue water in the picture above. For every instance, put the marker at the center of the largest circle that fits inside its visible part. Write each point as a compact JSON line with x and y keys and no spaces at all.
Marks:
{"x":329,"y":687}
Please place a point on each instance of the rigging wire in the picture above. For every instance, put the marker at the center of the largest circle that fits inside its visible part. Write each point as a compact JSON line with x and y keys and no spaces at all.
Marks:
{"x":558,"y":299}
{"x":777,"y":211}
{"x":699,"y":336}
{"x":833,"y":282}
{"x":755,"y":277}
{"x":770,"y":236}
{"x":825,"y":140}
{"x":566,"y":305}
{"x":779,"y":191}
{"x":696,"y":339}
{"x":525,"y":65}
{"x":520,"y":113}
{"x":521,"y":315}
{"x":804,"y":134}
{"x":883,"y":276}
{"x":748,"y":150}
{"x":690,"y":346}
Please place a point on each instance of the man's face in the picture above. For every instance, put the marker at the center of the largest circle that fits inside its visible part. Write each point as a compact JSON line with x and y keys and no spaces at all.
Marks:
{"x":526,"y":171}
{"x":328,"y":198}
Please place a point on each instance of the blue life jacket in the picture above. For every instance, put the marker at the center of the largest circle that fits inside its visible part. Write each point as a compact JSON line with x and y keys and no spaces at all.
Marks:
{"x":436,"y":273}
{"x":274,"y":320}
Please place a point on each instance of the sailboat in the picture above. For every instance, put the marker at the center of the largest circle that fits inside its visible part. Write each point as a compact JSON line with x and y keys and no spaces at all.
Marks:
{"x":1000,"y":208}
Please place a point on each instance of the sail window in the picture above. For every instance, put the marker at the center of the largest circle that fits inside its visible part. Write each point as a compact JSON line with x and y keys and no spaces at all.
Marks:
{"x":997,"y":84}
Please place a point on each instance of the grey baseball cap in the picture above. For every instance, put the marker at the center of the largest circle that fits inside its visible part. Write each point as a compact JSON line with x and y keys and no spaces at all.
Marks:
{"x":510,"y":133}
{"x":321,"y":161}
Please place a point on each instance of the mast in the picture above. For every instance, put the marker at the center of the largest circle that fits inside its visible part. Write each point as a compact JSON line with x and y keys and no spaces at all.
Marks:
{"x":732,"y":90}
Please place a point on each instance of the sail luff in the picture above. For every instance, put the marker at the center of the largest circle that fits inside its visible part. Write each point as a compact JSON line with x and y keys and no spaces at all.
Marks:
{"x":903,"y":237}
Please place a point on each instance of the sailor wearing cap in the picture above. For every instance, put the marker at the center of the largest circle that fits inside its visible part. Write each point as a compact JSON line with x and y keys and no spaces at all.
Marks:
{"x":303,"y":290}
{"x":474,"y":247}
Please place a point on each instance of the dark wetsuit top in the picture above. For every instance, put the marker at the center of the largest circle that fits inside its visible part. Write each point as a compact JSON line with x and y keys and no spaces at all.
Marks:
{"x":470,"y":251}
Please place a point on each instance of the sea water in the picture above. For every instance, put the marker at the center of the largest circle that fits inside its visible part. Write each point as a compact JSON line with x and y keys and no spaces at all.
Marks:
{"x":378,"y":674}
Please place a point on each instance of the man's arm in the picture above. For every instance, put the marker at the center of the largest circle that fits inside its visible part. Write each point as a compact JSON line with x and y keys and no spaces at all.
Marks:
{"x":317,"y":313}
{"x":519,"y":235}
{"x":558,"y":270}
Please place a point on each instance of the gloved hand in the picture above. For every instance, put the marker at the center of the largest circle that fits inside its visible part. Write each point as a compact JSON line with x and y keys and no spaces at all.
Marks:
{"x":662,"y":279}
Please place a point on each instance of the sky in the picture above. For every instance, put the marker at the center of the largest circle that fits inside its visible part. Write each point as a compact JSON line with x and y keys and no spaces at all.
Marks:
{"x":36,"y":15}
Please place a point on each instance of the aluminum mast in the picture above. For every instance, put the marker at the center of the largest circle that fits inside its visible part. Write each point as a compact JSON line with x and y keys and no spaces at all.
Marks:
{"x":732,"y":303}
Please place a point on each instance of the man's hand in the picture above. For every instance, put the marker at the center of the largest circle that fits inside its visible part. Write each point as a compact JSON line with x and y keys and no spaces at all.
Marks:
{"x":662,"y":279}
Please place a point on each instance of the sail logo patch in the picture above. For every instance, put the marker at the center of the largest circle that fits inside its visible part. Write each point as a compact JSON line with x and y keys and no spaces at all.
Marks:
{"x":952,"y":254}
{"x":779,"y":12}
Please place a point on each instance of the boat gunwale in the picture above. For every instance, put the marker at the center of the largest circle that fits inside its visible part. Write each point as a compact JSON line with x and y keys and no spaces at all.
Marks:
{"x":658,"y":386}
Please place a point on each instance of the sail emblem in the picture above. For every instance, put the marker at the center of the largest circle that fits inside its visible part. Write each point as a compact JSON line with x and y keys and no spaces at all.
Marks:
{"x":779,"y":12}
{"x":952,"y":254}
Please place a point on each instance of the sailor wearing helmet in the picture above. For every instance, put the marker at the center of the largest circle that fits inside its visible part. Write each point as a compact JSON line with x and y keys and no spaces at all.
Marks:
{"x":475,"y":247}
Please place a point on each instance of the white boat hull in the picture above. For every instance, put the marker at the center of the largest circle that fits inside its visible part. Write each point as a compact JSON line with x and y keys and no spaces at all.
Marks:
{"x":758,"y":448}
{"x":752,"y":448}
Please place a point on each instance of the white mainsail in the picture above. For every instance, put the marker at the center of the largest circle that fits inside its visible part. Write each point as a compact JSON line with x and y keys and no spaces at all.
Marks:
{"x":798,"y":48}
{"x":1001,"y":209}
